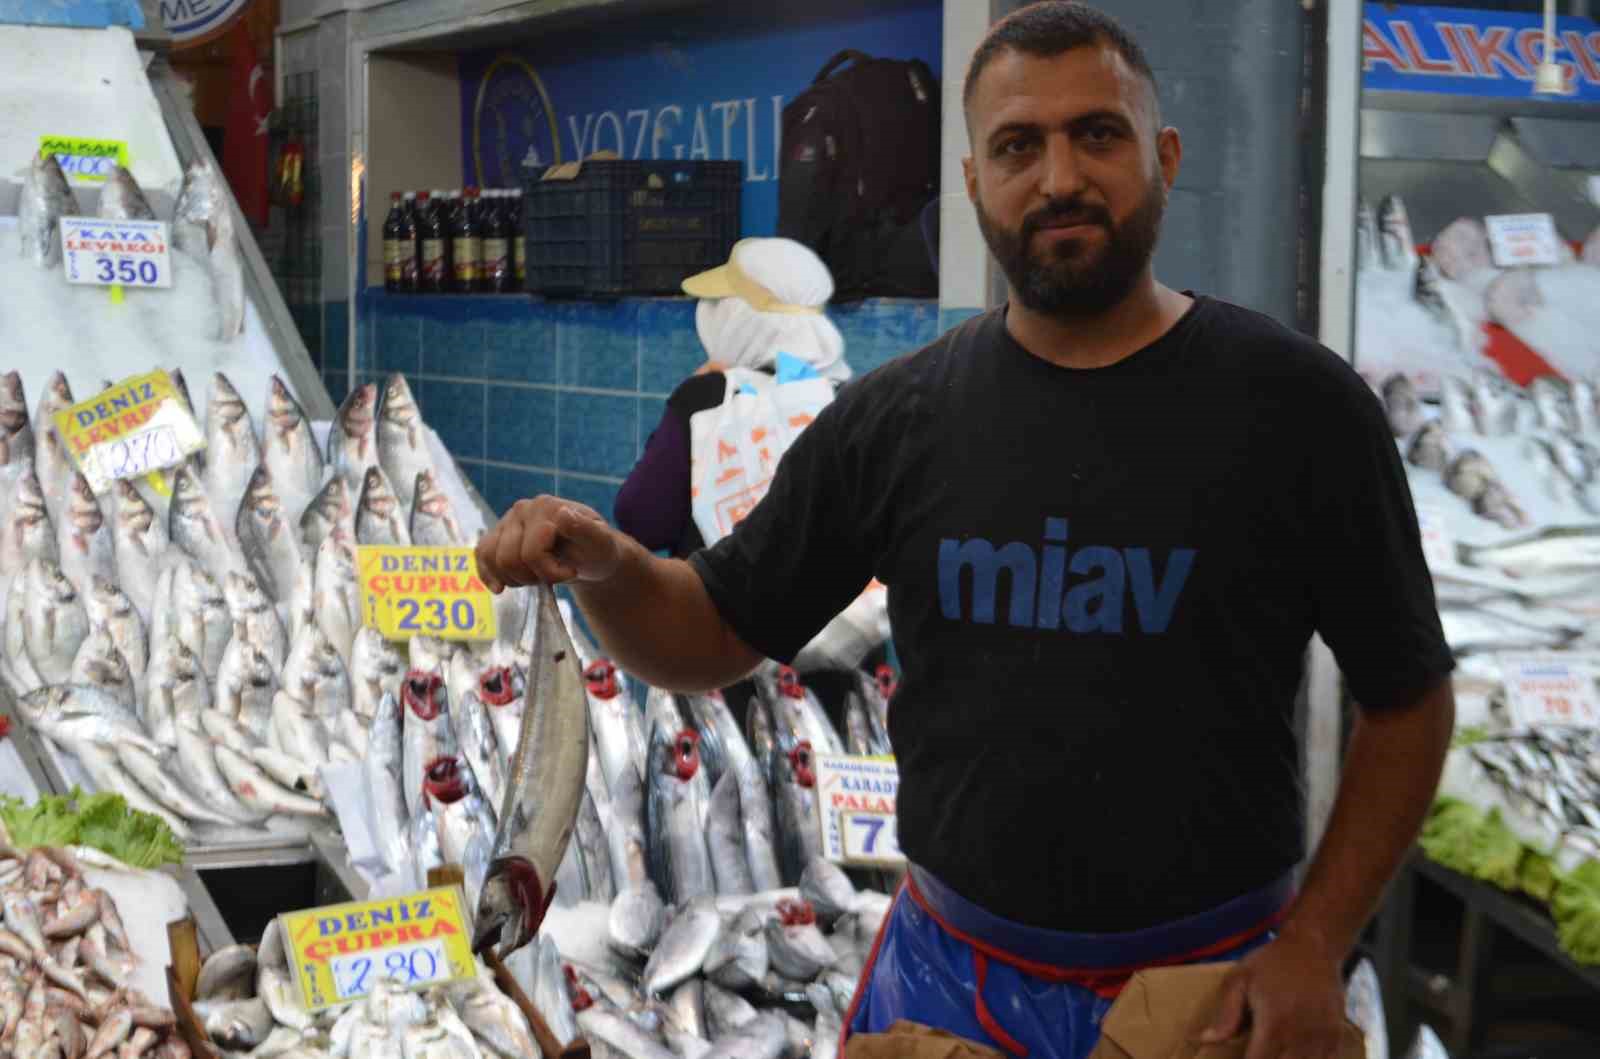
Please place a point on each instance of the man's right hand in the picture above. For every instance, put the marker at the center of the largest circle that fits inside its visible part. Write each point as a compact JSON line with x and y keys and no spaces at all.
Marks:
{"x":548,"y":540}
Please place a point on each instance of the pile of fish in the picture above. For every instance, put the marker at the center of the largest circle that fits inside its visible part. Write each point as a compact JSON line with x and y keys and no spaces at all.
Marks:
{"x":202,"y":224}
{"x":1531,"y":580}
{"x":1551,"y":778}
{"x":65,"y":966}
{"x":248,"y":1003}
{"x":194,"y":640}
{"x":1425,"y":313}
{"x":759,"y":975}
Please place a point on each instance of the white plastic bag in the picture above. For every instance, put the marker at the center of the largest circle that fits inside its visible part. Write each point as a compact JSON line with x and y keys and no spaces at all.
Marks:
{"x":734,"y":448}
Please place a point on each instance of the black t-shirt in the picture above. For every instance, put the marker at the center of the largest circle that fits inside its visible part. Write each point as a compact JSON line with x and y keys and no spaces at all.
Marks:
{"x":1102,"y":584}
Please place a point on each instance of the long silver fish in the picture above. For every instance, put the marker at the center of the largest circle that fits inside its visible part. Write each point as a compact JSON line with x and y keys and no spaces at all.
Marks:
{"x":259,"y":791}
{"x":551,"y":992}
{"x":465,"y":821}
{"x":196,"y":527}
{"x":336,"y":597}
{"x":616,"y":722}
{"x":1396,"y":246}
{"x":739,"y":959}
{"x":25,"y":529}
{"x":1547,"y":551}
{"x":227,"y":275}
{"x":382,"y":769}
{"x":255,"y":619}
{"x":315,"y":674}
{"x":589,"y":838}
{"x":50,"y":458}
{"x":56,"y":621}
{"x":353,"y":440}
{"x":99,"y":664}
{"x":402,"y":440}
{"x":433,"y":522}
{"x":635,"y":919}
{"x":196,"y":763}
{"x":269,"y":539}
{"x":545,"y":789}
{"x":232,"y":450}
{"x":376,"y":669}
{"x":725,"y":838}
{"x":121,"y":198}
{"x":110,"y":608}
{"x":332,"y":511}
{"x":141,"y":544}
{"x":425,"y":732}
{"x":683,"y":947}
{"x":380,"y":517}
{"x":152,"y":773}
{"x":78,"y":714}
{"x":200,"y":198}
{"x":289,"y":450}
{"x":246,"y":684}
{"x":480,"y":743}
{"x":677,"y":794}
{"x":45,"y":199}
{"x":176,"y":690}
{"x":15,"y":427}
{"x":203,"y":621}
{"x":84,"y":538}
{"x":296,"y":731}
{"x":794,"y":789}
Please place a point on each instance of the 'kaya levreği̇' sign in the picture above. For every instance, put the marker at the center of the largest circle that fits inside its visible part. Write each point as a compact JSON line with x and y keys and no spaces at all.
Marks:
{"x":339,"y":951}
{"x":137,"y":427}
{"x":85,"y":159}
{"x":424,"y":591}
{"x":103,"y":253}
{"x":856,"y":801}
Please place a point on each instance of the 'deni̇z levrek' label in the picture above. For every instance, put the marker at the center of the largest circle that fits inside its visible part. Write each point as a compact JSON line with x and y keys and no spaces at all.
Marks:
{"x":340,"y":951}
{"x":424,"y":591}
{"x":137,"y":427}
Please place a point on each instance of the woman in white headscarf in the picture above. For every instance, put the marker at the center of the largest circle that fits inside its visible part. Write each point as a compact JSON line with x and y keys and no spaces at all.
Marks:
{"x":767,"y":301}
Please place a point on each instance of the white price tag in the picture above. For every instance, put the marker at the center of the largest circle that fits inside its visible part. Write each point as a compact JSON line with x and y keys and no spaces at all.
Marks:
{"x":871,"y":838}
{"x":1547,"y":689}
{"x":419,"y":964}
{"x":1438,"y":546}
{"x":116,"y":253}
{"x":856,"y":802}
{"x":1517,"y":239}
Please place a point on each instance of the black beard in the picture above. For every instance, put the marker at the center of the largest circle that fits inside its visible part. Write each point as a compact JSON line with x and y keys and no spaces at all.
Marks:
{"x":1070,"y":286}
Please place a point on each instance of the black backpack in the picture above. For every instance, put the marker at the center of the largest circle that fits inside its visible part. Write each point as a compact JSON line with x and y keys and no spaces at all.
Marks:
{"x":860,"y":163}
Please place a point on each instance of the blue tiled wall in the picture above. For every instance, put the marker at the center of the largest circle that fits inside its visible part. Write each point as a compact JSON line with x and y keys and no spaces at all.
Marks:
{"x":559,"y":397}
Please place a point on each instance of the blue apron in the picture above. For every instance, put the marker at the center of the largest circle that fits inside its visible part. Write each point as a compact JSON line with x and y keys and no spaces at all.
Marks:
{"x":940,"y":960}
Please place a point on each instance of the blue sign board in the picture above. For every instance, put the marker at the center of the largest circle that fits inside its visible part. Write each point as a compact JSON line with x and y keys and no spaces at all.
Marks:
{"x":690,"y":87}
{"x":1461,"y":51}
{"x":79,"y":13}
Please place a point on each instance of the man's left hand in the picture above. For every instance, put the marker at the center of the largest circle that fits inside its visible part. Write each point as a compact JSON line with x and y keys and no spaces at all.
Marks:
{"x":1289,"y":995}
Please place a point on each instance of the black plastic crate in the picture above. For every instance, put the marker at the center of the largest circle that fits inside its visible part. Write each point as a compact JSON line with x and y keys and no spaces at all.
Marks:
{"x":629,"y":227}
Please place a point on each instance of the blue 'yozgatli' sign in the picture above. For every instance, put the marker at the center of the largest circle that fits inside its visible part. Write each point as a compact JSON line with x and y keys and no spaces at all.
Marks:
{"x":684,"y":87}
{"x":1461,"y":51}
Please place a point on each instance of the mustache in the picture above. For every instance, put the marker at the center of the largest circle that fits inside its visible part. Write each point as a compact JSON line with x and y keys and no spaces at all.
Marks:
{"x":1063,"y":213}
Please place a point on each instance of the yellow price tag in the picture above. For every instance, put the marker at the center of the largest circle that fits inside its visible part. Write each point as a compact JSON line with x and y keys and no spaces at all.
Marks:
{"x":424,"y":591}
{"x":85,"y":159}
{"x":339,"y":951}
{"x":137,"y":427}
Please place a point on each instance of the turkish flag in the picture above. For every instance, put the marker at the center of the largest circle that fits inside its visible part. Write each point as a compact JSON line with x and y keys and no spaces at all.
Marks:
{"x":245,"y":146}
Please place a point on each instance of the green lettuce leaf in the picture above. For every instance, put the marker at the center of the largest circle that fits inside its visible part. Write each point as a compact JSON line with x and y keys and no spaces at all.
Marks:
{"x":1576,"y":907}
{"x":103,"y":821}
